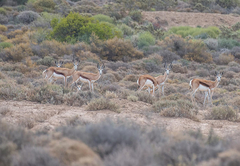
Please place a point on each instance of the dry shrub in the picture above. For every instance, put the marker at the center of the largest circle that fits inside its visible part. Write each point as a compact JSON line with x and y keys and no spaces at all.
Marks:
{"x":107,"y":79}
{"x":47,"y":94}
{"x":47,"y":48}
{"x":116,"y":49}
{"x":17,"y":53}
{"x":229,"y":74}
{"x":79,"y":98}
{"x":168,"y":56}
{"x":91,"y":69}
{"x":236,"y":102}
{"x":72,"y":152}
{"x":26,"y":122}
{"x":230,"y":157}
{"x":7,"y":149}
{"x":132,"y":98}
{"x":196,"y":51}
{"x":145,"y":97}
{"x":110,"y":87}
{"x":4,"y":110}
{"x":203,"y":73}
{"x":18,"y":136}
{"x":177,"y":68}
{"x":132,"y":78}
{"x":224,"y":59}
{"x":102,"y":104}
{"x":34,"y":156}
{"x":175,"y":108}
{"x":223,"y":112}
{"x":26,"y":17}
{"x":3,"y":38}
{"x":13,"y":34}
{"x":3,"y":28}
{"x":2,"y":76}
{"x":110,"y":95}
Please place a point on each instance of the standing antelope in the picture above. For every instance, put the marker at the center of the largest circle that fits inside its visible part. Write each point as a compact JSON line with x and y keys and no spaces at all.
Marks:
{"x":58,"y":72}
{"x":205,"y":85}
{"x":161,"y":80}
{"x":147,"y":80}
{"x":58,"y":64}
{"x":89,"y":78}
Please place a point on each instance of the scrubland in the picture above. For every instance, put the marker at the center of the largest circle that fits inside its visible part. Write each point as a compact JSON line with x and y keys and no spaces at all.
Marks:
{"x":46,"y":123}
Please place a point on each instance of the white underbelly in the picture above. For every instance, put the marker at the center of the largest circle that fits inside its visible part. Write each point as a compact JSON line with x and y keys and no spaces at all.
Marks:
{"x":83,"y":80}
{"x":58,"y":75}
{"x":149,"y":83}
{"x":203,"y":88}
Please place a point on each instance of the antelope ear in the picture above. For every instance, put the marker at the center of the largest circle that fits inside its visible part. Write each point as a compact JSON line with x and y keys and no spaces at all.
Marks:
{"x":55,"y":62}
{"x":216,"y":73}
{"x":221,"y":73}
{"x":170,"y":66}
{"x":97,"y":65}
{"x":61,"y":62}
{"x":165,"y":65}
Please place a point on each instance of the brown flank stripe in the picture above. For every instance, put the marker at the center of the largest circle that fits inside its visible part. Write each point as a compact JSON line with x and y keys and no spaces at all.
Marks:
{"x":58,"y":73}
{"x":204,"y":84}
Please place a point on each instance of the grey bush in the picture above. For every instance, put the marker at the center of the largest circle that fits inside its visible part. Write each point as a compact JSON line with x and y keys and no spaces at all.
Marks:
{"x":27,"y":17}
{"x":34,"y":156}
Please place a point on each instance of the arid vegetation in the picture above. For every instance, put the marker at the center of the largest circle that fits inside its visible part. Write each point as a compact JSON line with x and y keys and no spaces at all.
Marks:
{"x":36,"y":33}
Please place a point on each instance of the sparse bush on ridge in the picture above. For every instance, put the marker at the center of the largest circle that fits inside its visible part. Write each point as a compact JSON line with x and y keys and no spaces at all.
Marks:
{"x":27,"y":17}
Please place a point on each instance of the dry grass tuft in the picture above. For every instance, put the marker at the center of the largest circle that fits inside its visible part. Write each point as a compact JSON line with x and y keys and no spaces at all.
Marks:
{"x":223,"y":112}
{"x":132,"y":98}
{"x":4,"y":110}
{"x":102,"y":104}
{"x":73,"y":152}
{"x":176,"y":108}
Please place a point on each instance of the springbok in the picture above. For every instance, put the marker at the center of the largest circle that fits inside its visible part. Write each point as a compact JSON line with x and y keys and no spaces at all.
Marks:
{"x":86,"y":77}
{"x":205,"y":85}
{"x":161,"y":79}
{"x":58,"y":72}
{"x":147,"y":80}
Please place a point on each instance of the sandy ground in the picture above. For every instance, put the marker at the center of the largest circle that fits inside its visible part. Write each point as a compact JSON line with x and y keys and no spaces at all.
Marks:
{"x":190,"y":19}
{"x":47,"y":117}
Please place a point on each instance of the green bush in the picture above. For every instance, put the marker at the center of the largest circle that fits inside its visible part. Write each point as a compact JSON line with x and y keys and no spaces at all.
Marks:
{"x":227,"y":43}
{"x":136,"y":15}
{"x":103,"y":18}
{"x":5,"y":45}
{"x":228,"y":3}
{"x":145,"y":39}
{"x":44,"y":5}
{"x":20,"y":2}
{"x":3,"y":28}
{"x":75,"y":27}
{"x":128,"y":31}
{"x":185,"y":31}
{"x":3,"y":11}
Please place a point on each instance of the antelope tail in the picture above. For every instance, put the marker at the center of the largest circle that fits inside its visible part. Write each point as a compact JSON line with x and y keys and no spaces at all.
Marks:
{"x":190,"y":85}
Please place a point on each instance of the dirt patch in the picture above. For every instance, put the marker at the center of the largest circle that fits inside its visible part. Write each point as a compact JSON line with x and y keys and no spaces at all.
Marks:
{"x":169,"y":19}
{"x":48,"y":117}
